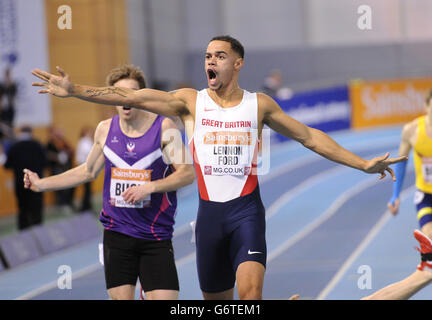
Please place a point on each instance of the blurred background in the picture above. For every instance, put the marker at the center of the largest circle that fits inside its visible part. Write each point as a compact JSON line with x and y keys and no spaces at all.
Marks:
{"x":335,"y":65}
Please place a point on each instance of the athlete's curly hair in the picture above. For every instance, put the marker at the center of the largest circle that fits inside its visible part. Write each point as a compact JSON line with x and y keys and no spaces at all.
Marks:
{"x":126,"y":71}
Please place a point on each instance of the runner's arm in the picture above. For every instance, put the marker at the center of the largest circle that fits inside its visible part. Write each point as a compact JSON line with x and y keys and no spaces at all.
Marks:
{"x":175,"y":154}
{"x":160,"y":102}
{"x":81,"y":174}
{"x":400,"y":168}
{"x":320,"y":142}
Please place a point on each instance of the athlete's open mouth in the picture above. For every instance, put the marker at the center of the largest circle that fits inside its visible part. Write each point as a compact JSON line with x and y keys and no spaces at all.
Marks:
{"x":211,"y":74}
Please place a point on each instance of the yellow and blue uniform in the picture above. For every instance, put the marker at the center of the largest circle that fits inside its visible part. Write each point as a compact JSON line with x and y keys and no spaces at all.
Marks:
{"x":423,"y":170}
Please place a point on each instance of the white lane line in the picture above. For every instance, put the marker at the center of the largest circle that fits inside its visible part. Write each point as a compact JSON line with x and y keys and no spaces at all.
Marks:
{"x":302,"y":187}
{"x":85,"y":271}
{"x":334,"y":207}
{"x":53,"y":284}
{"x":361,"y":247}
{"x":185,"y":260}
{"x":312,"y":157}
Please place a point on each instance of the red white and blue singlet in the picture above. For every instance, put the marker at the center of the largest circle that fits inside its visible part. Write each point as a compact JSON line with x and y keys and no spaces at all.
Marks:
{"x":230,"y":225}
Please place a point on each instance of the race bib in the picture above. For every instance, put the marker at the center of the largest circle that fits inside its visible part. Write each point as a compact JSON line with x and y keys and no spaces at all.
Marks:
{"x":228,"y":153}
{"x":427,"y":169}
{"x":121,"y":180}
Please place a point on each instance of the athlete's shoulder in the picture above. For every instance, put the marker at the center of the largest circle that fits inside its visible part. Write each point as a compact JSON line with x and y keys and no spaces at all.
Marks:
{"x":104,"y":124}
{"x":185,"y":93}
{"x":411,"y":126}
{"x":409,"y":130}
{"x":170,"y":123}
{"x":187,"y":98}
{"x":102,"y":130}
{"x":266,"y":103}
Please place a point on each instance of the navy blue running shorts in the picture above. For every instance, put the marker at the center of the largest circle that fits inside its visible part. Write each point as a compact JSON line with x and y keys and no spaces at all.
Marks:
{"x":227,"y":234}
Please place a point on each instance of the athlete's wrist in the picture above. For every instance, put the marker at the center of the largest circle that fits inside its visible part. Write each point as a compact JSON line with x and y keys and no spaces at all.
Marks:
{"x":37,"y":186}
{"x":393,"y":199}
{"x":151,"y":187}
{"x":364,"y":165}
{"x":73,"y":90}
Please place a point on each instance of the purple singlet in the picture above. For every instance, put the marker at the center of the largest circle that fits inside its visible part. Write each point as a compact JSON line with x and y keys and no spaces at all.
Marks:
{"x":135,"y":161}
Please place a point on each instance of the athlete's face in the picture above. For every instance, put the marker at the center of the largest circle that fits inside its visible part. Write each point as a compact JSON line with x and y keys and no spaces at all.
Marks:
{"x":221,"y":64}
{"x":126,"y":113}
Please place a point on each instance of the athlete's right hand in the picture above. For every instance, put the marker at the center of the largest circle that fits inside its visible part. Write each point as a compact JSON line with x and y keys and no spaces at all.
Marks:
{"x":31,"y":180}
{"x":394,"y":206}
{"x":59,"y":86}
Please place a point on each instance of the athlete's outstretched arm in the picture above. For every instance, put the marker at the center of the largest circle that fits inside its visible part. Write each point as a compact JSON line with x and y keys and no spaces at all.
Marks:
{"x":404,"y":289}
{"x":319,"y":141}
{"x":175,"y":154}
{"x":81,"y":174}
{"x":161,"y":102}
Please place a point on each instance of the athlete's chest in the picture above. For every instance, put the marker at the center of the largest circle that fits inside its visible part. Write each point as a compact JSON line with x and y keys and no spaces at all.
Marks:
{"x":422,"y":141}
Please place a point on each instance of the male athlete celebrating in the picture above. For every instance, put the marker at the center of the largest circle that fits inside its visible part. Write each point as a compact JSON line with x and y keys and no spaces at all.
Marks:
{"x":224,"y":124}
{"x":139,"y":198}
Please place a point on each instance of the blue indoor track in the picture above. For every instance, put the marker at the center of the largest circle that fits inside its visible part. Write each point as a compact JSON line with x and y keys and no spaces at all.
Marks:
{"x":326,"y":224}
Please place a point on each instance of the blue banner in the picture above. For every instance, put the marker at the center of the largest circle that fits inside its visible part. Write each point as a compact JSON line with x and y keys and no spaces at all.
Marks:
{"x":325,"y":109}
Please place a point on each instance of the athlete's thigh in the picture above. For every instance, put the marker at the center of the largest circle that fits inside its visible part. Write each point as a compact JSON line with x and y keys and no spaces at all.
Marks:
{"x":223,"y":295}
{"x":157,"y":270}
{"x":121,"y":263}
{"x":162,"y":295}
{"x":123,"y":292}
{"x":248,"y":241}
{"x":215,"y":272}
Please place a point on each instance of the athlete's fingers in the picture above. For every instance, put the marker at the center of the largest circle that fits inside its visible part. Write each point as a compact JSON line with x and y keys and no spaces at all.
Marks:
{"x":40,"y":84}
{"x":384,"y":157}
{"x":41,"y":74}
{"x":393,"y":207}
{"x":126,"y":196}
{"x":61,"y":71}
{"x":390,"y":170}
{"x":396,"y":160}
{"x":390,"y":208}
{"x":25,"y":181}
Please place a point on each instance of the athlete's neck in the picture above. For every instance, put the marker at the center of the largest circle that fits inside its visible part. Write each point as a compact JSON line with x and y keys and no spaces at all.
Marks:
{"x":137,"y":125}
{"x":227,"y":97}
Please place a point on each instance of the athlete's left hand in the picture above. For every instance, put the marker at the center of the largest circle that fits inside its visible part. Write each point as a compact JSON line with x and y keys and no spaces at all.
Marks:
{"x":381,"y":165}
{"x":137,"y":193}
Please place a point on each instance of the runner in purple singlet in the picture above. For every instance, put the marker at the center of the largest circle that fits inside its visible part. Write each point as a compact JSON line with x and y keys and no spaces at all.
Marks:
{"x":139,"y":193}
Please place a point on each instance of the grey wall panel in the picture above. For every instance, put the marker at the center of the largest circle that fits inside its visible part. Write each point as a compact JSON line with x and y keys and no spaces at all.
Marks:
{"x":319,"y":67}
